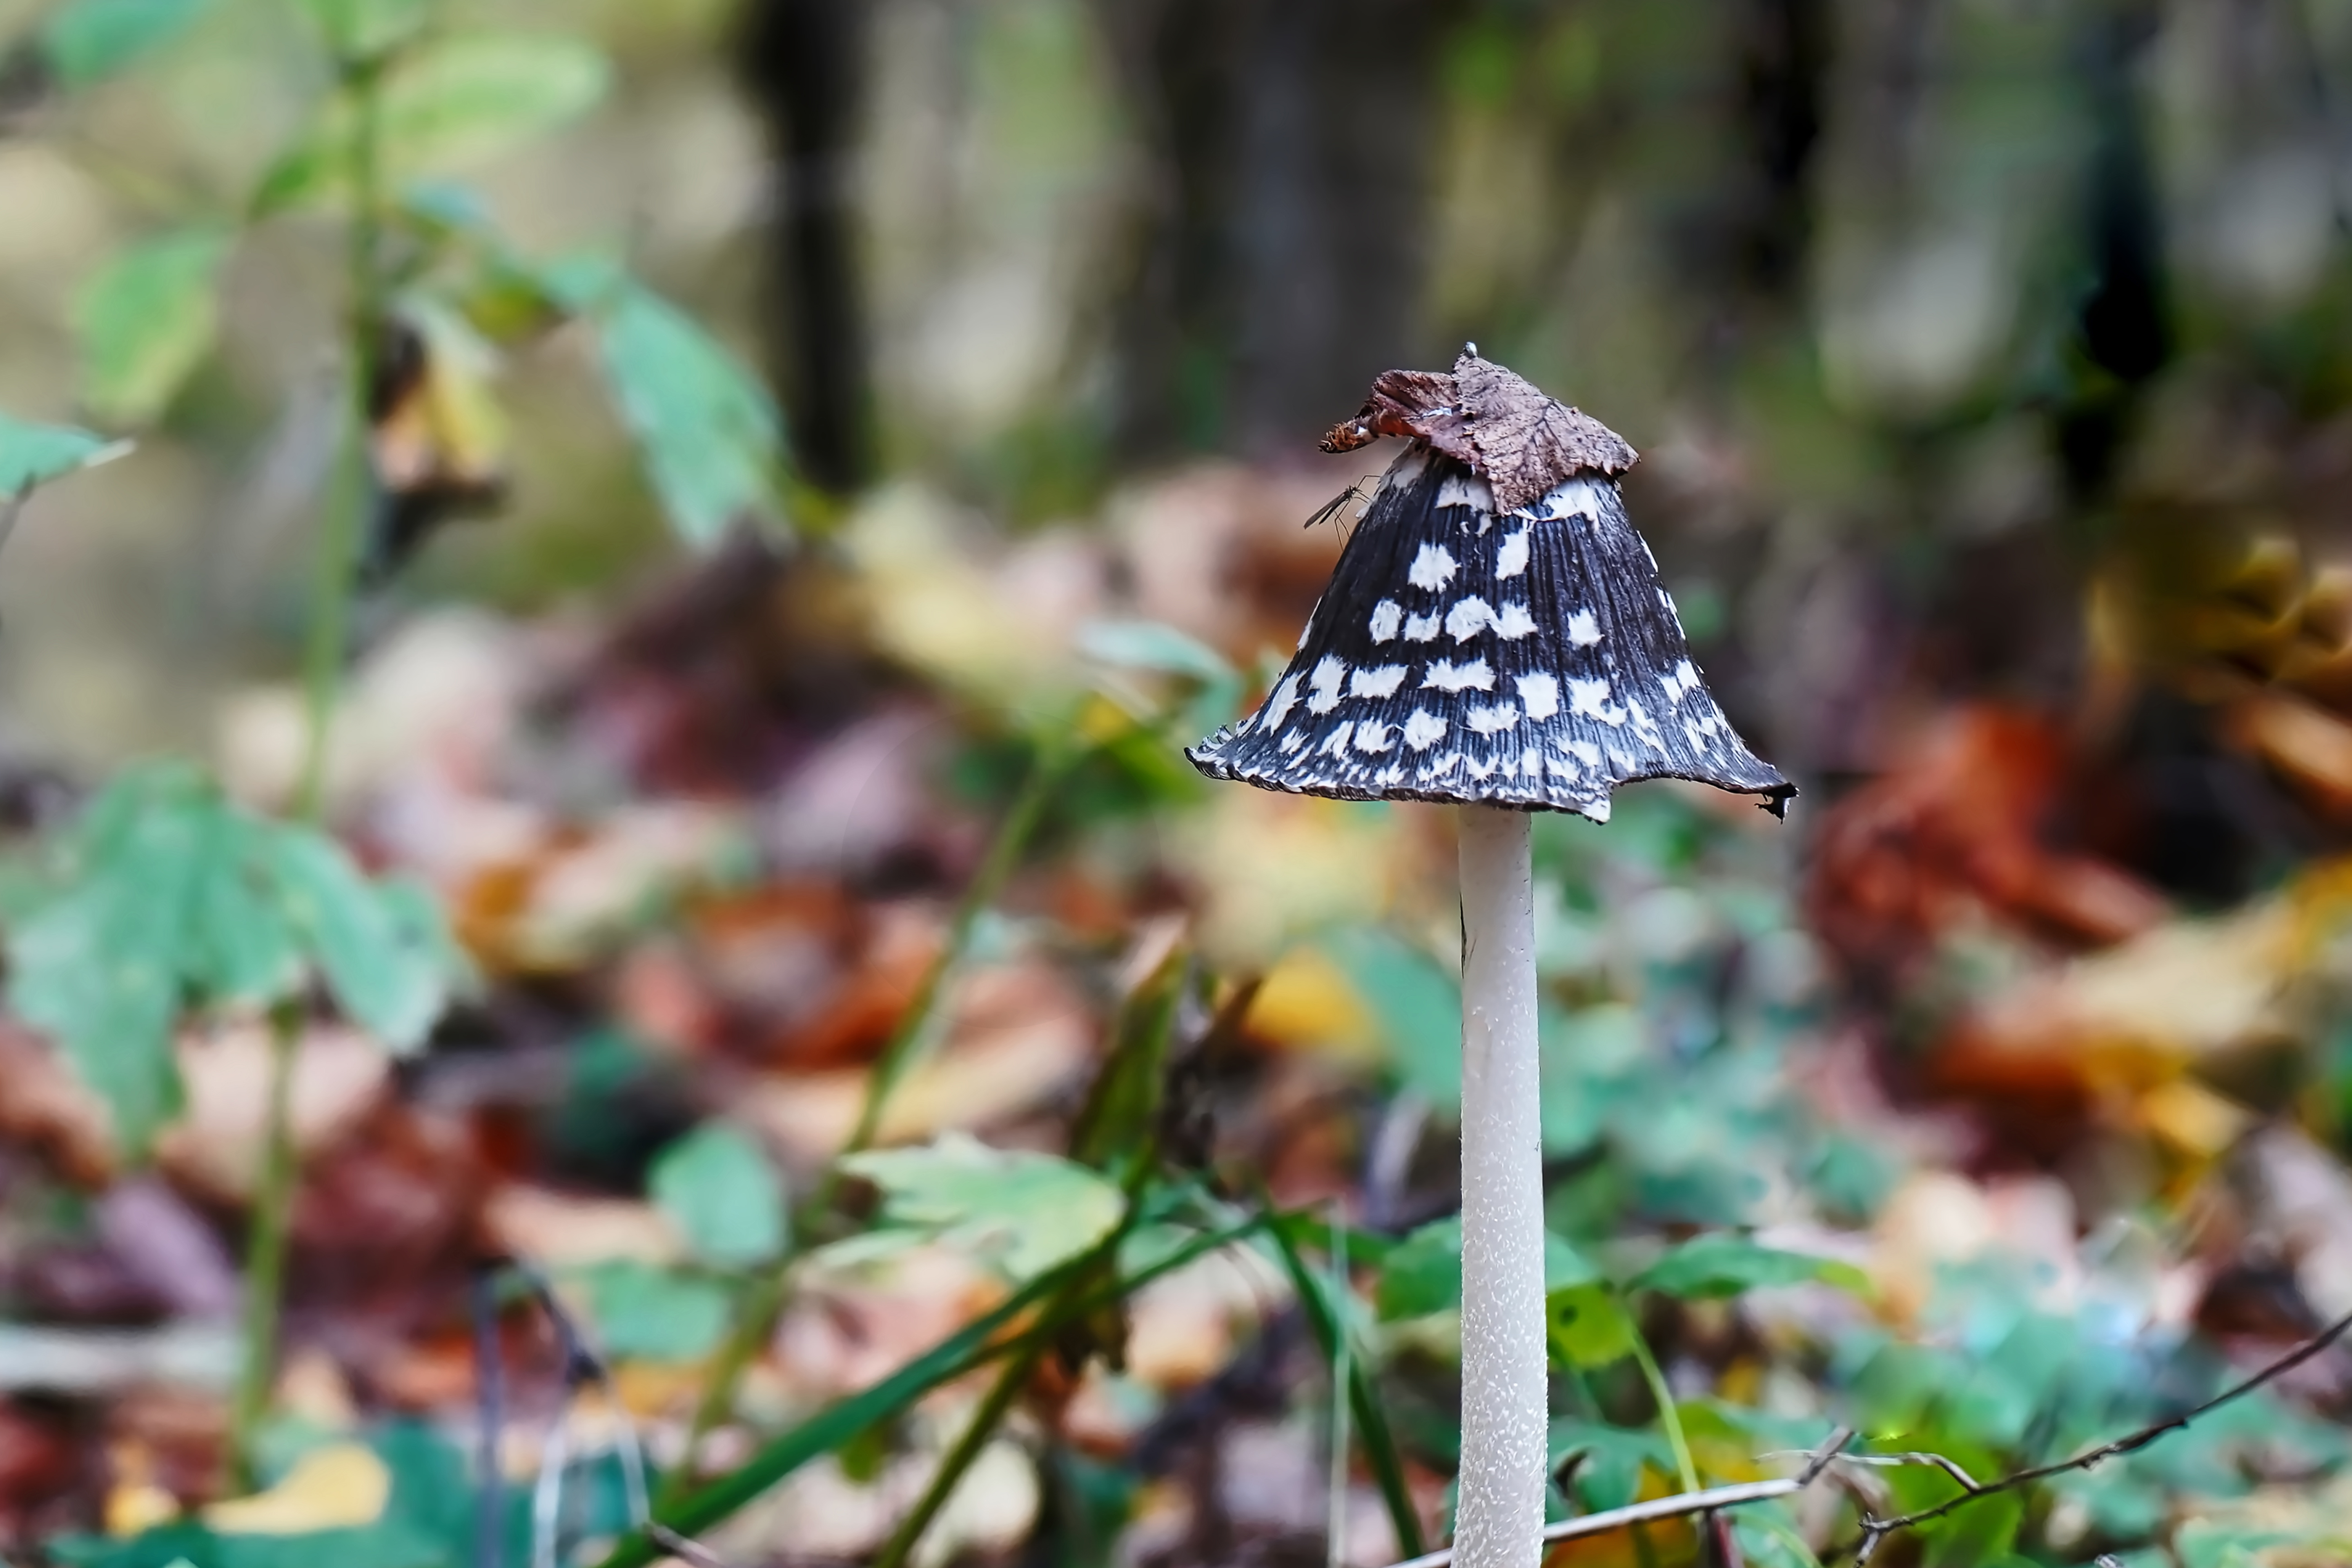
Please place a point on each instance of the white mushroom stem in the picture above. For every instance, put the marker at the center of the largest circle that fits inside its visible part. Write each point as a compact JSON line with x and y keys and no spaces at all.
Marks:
{"x":1498,"y":1516}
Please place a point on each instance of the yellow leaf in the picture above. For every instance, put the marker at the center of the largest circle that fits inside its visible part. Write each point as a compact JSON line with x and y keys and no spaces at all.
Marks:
{"x":334,"y":1488}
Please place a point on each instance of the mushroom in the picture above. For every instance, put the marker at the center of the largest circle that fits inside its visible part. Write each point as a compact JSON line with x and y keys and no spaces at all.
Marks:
{"x":1494,"y":637}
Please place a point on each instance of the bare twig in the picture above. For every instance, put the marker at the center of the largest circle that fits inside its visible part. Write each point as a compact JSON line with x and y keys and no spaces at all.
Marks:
{"x":1680,"y":1506}
{"x":1874,"y":1531}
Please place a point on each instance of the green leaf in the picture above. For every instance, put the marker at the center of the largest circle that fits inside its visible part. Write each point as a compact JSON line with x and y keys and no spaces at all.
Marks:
{"x":1153,"y":645}
{"x":1721,"y":1264}
{"x":1417,"y":1004}
{"x":145,"y":318}
{"x":241,"y":946}
{"x":386,"y":976}
{"x":33,"y":454}
{"x":724,"y":1197}
{"x":365,"y":29}
{"x":1328,"y":1305}
{"x":655,"y":1314}
{"x":710,"y":436}
{"x":1024,"y":1212}
{"x":1589,"y":1326}
{"x":450,"y":104}
{"x":1609,"y":1460}
{"x":99,"y":968}
{"x":86,"y":41}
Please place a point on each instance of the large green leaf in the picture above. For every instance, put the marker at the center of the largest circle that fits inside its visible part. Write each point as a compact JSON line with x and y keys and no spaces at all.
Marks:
{"x":446,"y":105}
{"x":709,"y":434}
{"x":99,"y":968}
{"x":1721,"y":1264}
{"x":389,"y":978}
{"x":723,"y":1196}
{"x":86,"y":41}
{"x":145,"y":318}
{"x":241,"y":945}
{"x":35,"y":454}
{"x":1024,"y":1212}
{"x":162,"y":895}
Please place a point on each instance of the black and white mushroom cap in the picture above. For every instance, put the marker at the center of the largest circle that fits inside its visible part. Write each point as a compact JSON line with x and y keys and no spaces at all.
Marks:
{"x":1495,"y":633}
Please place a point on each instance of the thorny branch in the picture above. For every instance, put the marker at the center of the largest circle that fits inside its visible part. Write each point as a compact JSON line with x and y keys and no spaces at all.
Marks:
{"x":1876,"y":1531}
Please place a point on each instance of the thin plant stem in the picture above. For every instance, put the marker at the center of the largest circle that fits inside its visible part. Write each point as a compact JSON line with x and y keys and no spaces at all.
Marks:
{"x":1668,"y":1416}
{"x":761,"y":1302}
{"x":330,"y":616}
{"x":1334,"y":1524}
{"x":959,"y":1460}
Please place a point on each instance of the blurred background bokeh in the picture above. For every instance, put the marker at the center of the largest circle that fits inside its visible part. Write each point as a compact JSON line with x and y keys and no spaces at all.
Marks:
{"x":1991,"y":365}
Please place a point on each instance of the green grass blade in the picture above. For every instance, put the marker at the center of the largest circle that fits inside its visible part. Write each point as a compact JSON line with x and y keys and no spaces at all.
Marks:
{"x":1364,"y":1399}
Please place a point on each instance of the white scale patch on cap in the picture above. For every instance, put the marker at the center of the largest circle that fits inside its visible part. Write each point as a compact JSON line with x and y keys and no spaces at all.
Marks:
{"x":1326,"y":678}
{"x":1373,"y":737}
{"x":1441,"y":767}
{"x":1433,"y":568}
{"x":1380,"y":682}
{"x":1334,"y":744}
{"x":1585,"y":751}
{"x":1531,"y":764}
{"x":1577,"y":498}
{"x":1514,"y":622}
{"x":1591,"y":697}
{"x":1481,"y":771}
{"x":1387,"y":617}
{"x":1561,"y":768}
{"x":1391,"y":774}
{"x":1462,"y":489}
{"x":1492,"y":721}
{"x":1277,"y":706}
{"x":1598,"y":809}
{"x":1423,"y":628}
{"x":1620,"y":761}
{"x":1512,"y":558}
{"x":1423,"y":730}
{"x":1539,"y":694}
{"x":1583,"y":629}
{"x":1468,"y":617}
{"x":1683,"y":680}
{"x":1445,"y":675}
{"x":1293,"y":741}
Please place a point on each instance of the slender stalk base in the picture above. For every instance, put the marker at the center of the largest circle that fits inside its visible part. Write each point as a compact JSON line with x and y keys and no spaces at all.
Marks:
{"x":1498,"y":1520}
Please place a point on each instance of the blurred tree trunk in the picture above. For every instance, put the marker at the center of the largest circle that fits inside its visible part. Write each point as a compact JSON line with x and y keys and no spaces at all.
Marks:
{"x":805,"y":65}
{"x":1281,"y":259}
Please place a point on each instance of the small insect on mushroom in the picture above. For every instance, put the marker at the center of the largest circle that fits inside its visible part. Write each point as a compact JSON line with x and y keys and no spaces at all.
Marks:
{"x":1496,"y":632}
{"x":1330,"y":509}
